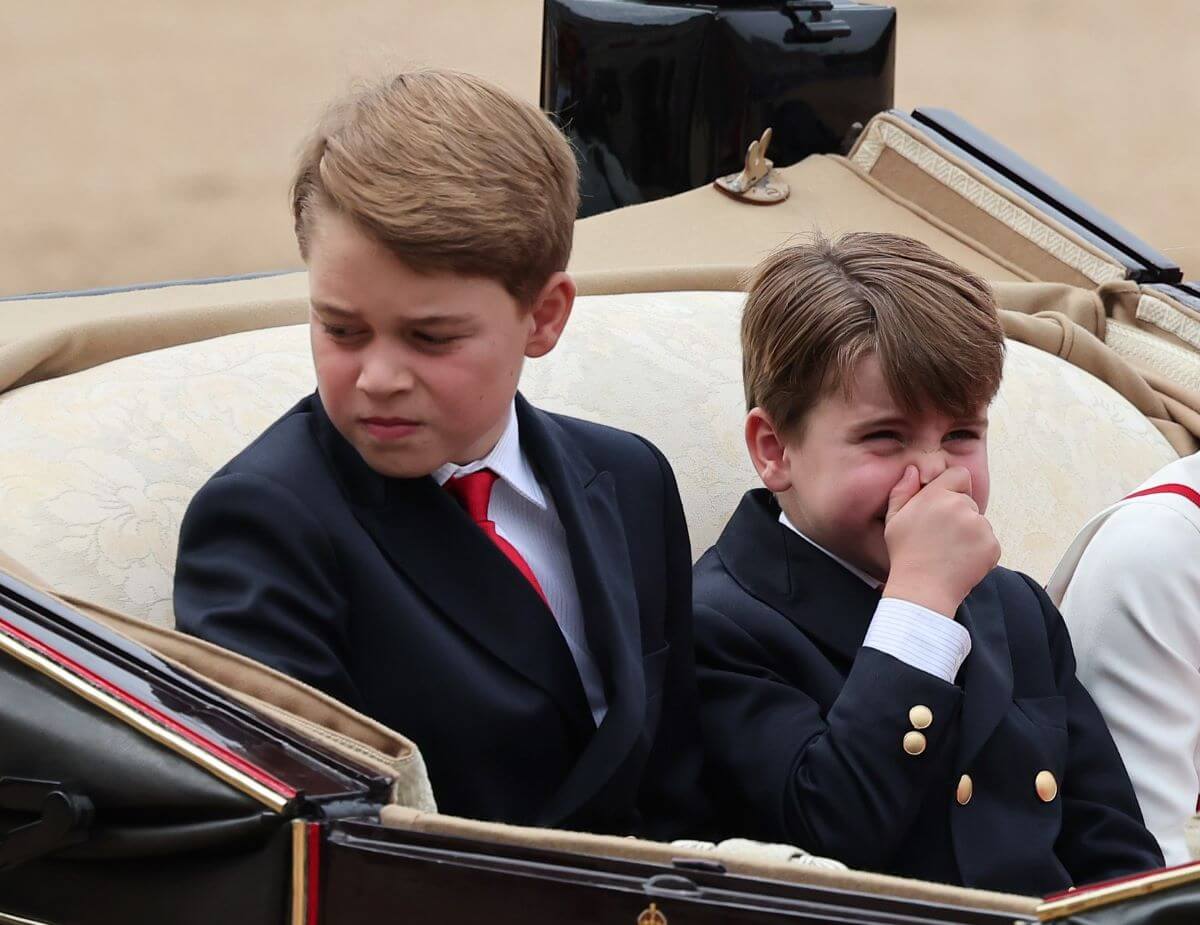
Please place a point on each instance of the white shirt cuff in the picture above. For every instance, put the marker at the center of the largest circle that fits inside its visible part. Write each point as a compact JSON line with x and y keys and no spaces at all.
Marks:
{"x":919,"y":637}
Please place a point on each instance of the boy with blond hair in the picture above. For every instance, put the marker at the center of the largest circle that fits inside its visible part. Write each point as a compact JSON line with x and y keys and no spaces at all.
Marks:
{"x":873,"y":687}
{"x":508,"y":587}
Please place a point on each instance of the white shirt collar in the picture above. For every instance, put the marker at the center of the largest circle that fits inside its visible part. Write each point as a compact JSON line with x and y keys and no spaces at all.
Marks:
{"x":506,"y":459}
{"x":853,"y":570}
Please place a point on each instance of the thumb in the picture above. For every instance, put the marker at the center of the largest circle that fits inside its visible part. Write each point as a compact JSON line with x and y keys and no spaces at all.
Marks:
{"x":903,"y":491}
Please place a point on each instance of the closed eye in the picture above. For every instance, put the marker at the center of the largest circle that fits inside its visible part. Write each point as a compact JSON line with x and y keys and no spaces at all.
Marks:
{"x":433,"y":339}
{"x":339,"y":331}
{"x":883,"y":435}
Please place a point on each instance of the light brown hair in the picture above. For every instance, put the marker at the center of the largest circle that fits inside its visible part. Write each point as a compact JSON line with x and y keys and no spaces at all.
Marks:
{"x":815,"y":309}
{"x":450,"y":173}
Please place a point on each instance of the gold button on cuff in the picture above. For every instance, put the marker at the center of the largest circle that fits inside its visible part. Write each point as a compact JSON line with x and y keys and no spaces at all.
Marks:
{"x":966,"y":790}
{"x":920,"y":716}
{"x":914,"y":743}
{"x":1046,"y":786}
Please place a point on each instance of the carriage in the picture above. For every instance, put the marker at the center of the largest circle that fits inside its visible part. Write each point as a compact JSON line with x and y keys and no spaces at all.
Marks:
{"x":147,"y":776}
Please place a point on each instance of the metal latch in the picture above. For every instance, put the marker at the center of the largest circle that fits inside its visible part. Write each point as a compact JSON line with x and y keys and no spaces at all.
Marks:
{"x":670,"y":885}
{"x":64,"y":819}
{"x":817,"y":29}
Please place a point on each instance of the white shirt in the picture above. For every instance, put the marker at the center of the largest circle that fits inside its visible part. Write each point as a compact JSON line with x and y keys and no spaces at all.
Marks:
{"x":906,"y":631}
{"x":1129,"y":590}
{"x":524,"y":515}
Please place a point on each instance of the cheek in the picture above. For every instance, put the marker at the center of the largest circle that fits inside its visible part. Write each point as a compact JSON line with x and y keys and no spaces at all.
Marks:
{"x":462,"y":378}
{"x":864,"y":483}
{"x":335,"y":369}
{"x":472,"y":385}
{"x":332,"y":367}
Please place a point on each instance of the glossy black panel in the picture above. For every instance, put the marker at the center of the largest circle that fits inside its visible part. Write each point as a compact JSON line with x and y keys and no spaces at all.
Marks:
{"x":663,"y":97}
{"x":50,"y":733}
{"x":1144,"y":263}
{"x":373,"y":874}
{"x":300,"y":763}
{"x":237,"y":884}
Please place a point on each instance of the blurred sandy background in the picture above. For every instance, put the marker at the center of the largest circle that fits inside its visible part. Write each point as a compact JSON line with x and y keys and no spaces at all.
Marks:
{"x":153,"y":139}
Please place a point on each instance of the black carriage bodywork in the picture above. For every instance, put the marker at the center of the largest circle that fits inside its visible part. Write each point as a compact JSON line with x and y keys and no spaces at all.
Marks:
{"x":195,"y":809}
{"x":660,"y":97}
{"x":190,"y":807}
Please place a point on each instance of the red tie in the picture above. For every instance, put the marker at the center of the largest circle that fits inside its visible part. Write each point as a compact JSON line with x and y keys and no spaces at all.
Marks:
{"x":473,"y":492}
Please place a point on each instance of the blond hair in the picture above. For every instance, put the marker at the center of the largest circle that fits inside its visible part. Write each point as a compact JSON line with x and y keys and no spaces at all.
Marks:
{"x":815,"y":309}
{"x":450,"y":173}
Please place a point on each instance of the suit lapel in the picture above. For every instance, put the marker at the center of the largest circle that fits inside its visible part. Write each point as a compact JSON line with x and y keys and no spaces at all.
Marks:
{"x":586,"y":501}
{"x":823,"y":599}
{"x":431,"y":541}
{"x":987,"y":679}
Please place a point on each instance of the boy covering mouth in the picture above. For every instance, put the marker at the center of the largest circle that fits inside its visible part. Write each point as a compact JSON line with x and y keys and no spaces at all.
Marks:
{"x":873,"y":687}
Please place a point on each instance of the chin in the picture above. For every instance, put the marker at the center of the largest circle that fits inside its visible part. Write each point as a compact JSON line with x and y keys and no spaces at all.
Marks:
{"x":397,"y":466}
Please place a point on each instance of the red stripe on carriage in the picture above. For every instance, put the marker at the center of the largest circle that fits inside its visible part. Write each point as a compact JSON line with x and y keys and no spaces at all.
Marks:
{"x":63,"y":661}
{"x":313,"y":874}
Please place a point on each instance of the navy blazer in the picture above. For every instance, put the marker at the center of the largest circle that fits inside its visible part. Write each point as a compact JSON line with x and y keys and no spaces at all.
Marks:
{"x":383,"y":593}
{"x":805,"y":728}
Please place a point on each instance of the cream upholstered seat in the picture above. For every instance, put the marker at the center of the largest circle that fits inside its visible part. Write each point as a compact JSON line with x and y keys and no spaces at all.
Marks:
{"x":96,"y":468}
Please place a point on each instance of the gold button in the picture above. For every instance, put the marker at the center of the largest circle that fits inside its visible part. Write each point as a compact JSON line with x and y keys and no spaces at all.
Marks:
{"x":1046,"y":786}
{"x":966,"y":790}
{"x":914,"y":743}
{"x":921,"y":717}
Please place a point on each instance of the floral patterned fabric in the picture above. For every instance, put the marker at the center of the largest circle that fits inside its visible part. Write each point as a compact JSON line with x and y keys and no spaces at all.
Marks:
{"x":97,"y":468}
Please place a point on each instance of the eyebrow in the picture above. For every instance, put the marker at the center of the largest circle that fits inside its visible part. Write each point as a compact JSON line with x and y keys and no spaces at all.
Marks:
{"x":324,"y":308}
{"x":899,"y":420}
{"x":882,"y":420}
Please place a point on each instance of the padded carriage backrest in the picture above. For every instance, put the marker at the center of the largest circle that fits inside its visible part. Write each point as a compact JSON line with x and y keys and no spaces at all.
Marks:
{"x":1157,"y":331}
{"x":958,"y":196}
{"x":96,"y":468}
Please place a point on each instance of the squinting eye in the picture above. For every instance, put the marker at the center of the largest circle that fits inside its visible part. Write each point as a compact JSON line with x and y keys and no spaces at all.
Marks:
{"x":433,"y":340}
{"x":337,"y":331}
{"x":962,"y":435}
{"x":883,"y":435}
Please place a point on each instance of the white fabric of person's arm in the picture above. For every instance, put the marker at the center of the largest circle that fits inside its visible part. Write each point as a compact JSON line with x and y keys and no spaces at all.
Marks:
{"x":919,"y":637}
{"x":1133,"y":611}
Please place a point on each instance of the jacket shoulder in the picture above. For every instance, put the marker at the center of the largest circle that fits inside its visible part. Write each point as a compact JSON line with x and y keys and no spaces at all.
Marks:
{"x":1016,"y":589}
{"x":612,"y":448}
{"x":712,"y":583}
{"x":719,"y":597}
{"x":287,"y":453}
{"x":1027,"y":608}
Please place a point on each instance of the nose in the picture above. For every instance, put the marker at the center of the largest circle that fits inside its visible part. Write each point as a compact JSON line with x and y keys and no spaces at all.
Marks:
{"x":930,"y":464}
{"x":384,"y":372}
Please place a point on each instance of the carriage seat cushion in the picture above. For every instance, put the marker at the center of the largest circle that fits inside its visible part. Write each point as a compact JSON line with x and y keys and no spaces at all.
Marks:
{"x":97,"y":467}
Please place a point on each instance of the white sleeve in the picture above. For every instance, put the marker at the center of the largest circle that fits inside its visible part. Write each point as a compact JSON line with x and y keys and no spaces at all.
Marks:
{"x":1133,"y":611}
{"x":919,"y":637}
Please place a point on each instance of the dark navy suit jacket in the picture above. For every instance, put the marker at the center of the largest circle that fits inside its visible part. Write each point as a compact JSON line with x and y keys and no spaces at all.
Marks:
{"x":805,"y":728}
{"x":384,"y":594}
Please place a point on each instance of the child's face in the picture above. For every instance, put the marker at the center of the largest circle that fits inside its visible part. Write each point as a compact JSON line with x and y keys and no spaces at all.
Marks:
{"x":416,"y":370}
{"x":833,"y":481}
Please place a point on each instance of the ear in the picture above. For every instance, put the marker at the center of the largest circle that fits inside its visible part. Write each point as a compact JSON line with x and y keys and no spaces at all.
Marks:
{"x":768,"y":451}
{"x":549,"y":313}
